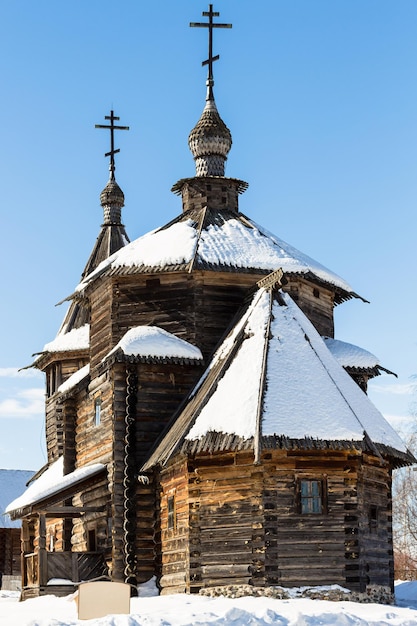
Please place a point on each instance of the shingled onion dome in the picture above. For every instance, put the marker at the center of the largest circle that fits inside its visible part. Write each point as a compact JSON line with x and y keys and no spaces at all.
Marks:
{"x":210,"y":142}
{"x":112,"y":235}
{"x":112,"y":200}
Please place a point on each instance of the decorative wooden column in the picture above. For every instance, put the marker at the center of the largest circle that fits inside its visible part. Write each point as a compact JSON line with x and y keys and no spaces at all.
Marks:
{"x":70,"y":414}
{"x":129,"y":478}
{"x":42,"y":556}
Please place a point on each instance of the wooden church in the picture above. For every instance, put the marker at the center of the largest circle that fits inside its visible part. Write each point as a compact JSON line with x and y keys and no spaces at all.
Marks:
{"x":203,"y":425}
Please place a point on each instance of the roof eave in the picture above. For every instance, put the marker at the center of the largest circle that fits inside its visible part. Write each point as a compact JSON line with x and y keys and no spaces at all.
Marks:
{"x":82,"y":384}
{"x":46,"y":358}
{"x":120,"y":357}
{"x":241,"y":184}
{"x":58,"y":496}
{"x":226,"y":442}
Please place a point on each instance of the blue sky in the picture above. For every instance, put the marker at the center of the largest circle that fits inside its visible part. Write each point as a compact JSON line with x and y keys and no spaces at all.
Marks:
{"x":320,"y":97}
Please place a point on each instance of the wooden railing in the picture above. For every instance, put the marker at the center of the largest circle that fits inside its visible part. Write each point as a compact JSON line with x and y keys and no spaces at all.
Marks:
{"x":30,"y":570}
{"x":43,"y":566}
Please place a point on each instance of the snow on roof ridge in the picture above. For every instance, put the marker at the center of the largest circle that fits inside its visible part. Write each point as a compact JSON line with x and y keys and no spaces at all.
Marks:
{"x":152,"y":341}
{"x":228,"y":410}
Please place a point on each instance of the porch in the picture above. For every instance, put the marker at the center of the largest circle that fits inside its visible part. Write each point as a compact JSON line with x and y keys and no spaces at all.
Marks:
{"x":58,"y":573}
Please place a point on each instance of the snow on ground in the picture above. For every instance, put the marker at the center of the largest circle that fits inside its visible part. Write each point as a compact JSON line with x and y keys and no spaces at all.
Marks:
{"x":194,"y":610}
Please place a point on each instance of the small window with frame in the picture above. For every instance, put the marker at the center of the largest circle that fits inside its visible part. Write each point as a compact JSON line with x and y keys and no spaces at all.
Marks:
{"x":311,"y":498}
{"x":97,"y":411}
{"x":172,"y":518}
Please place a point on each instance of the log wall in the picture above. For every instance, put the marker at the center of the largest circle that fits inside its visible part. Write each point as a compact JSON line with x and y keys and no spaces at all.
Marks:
{"x":316,"y":302}
{"x":245,"y":525}
{"x":10,"y":556}
{"x":93,"y":442}
{"x":224,"y":513}
{"x":147,"y":537}
{"x":103,"y":302}
{"x":197,"y":307}
{"x":161,"y":388}
{"x":376,"y":560}
{"x":176,"y":543}
{"x":116,"y":470}
{"x":305,"y":549}
{"x":54,"y":412}
{"x":93,"y":527}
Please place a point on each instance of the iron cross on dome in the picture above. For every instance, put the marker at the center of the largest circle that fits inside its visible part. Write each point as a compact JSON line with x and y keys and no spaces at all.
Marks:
{"x":112,"y":127}
{"x":210,"y":25}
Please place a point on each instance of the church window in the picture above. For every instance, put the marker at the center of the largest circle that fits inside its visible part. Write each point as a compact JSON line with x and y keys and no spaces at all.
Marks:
{"x":311,"y":496}
{"x":53,"y":379}
{"x":316,"y":293}
{"x":172,"y":522}
{"x":97,"y":411}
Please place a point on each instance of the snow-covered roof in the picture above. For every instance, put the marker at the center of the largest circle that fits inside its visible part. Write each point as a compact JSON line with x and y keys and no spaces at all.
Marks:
{"x":12,"y":483}
{"x":74,"y":379}
{"x":152,"y":341}
{"x":76,"y":339}
{"x":51,"y":482}
{"x":274,"y":377}
{"x":349,"y":355}
{"x":222,"y":240}
{"x":353,"y":357}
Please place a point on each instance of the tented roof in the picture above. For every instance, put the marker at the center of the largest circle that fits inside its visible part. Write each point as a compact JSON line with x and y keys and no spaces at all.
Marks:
{"x":221,"y":240}
{"x":274,"y":383}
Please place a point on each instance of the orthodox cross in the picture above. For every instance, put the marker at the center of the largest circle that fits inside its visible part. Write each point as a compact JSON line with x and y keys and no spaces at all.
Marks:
{"x":210,"y":25}
{"x":112,"y":127}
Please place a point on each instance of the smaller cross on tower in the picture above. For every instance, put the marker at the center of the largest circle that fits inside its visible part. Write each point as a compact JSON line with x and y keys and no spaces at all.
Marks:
{"x":210,"y":25}
{"x":112,"y":127}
